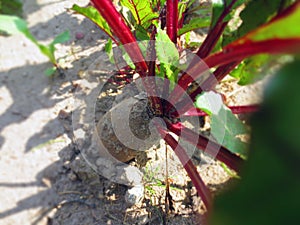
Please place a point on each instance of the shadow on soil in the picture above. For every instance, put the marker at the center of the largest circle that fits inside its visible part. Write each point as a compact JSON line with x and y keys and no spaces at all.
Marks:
{"x":30,"y":89}
{"x":65,"y":198}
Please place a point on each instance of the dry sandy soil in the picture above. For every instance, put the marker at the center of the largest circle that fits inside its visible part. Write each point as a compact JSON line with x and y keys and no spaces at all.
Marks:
{"x":42,"y":176}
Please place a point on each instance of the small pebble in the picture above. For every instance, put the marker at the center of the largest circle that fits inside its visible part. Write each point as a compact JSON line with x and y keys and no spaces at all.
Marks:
{"x":63,"y":114}
{"x":79,"y":35}
{"x":72,"y":176}
{"x":134,"y":195}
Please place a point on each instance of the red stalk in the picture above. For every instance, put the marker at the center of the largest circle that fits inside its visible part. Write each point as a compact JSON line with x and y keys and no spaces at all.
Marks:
{"x":281,"y":15}
{"x":206,"y":47}
{"x":218,"y":75}
{"x":172,"y":27}
{"x":211,"y":40}
{"x":172,"y":19}
{"x":237,"y":51}
{"x":180,"y":22}
{"x":190,"y":168}
{"x":215,"y":33}
{"x":207,"y":85}
{"x":244,"y":109}
{"x":221,"y":153}
{"x":151,"y":52}
{"x":235,"y":110}
{"x":233,"y":53}
{"x":122,"y":31}
{"x":155,"y":102}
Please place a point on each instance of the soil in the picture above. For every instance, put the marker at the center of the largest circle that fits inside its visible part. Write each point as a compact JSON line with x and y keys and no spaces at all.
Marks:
{"x":43,"y":177}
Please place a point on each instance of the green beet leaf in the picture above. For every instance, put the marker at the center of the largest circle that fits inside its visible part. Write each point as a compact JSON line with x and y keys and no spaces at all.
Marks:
{"x":256,"y":67}
{"x":141,"y":11}
{"x":61,"y":38}
{"x":15,"y":25}
{"x":50,"y":71}
{"x":141,"y":34}
{"x":123,"y":56}
{"x":109,"y":51}
{"x":165,"y":49}
{"x":93,"y":14}
{"x":225,"y":127}
{"x":49,"y":50}
{"x":253,"y":69}
{"x":195,"y":23}
{"x":168,"y":56}
{"x":218,"y":7}
{"x":283,"y":28}
{"x":255,"y":13}
{"x":183,"y":6}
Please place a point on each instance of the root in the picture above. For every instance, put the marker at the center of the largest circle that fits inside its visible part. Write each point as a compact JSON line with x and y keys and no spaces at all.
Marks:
{"x":126,"y":130}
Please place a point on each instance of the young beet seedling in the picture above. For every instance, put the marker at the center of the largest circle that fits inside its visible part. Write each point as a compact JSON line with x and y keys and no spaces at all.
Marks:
{"x":265,"y":31}
{"x":15,"y":25}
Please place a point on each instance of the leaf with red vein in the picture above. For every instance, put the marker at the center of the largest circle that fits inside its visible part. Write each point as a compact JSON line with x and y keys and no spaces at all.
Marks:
{"x":141,"y":11}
